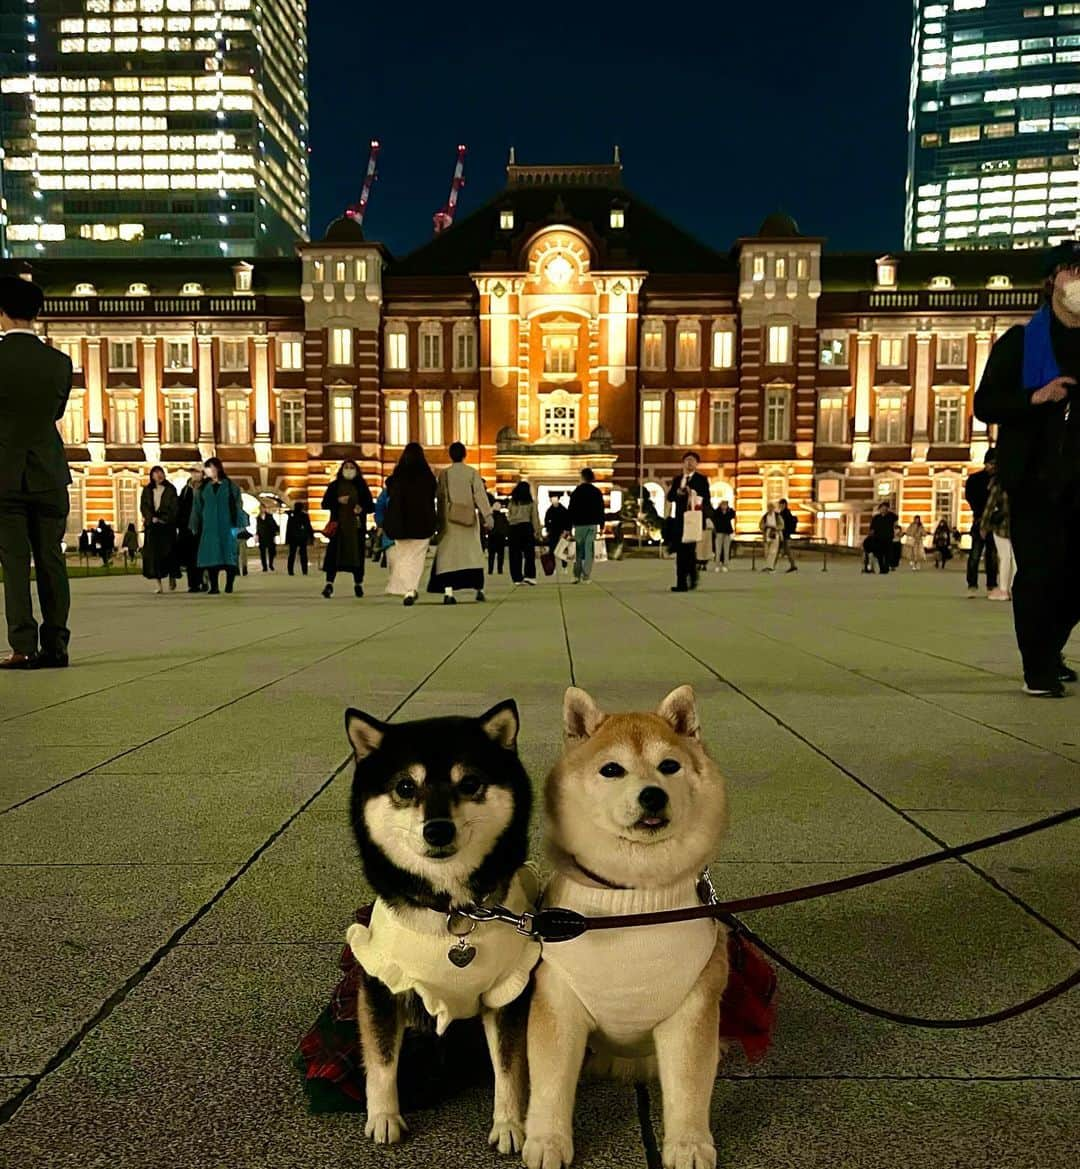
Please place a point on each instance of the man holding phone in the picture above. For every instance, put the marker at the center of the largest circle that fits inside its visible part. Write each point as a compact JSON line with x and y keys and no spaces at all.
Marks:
{"x":1029,"y":388}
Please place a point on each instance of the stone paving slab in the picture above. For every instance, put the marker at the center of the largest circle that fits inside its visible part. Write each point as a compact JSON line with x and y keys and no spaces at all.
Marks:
{"x":211,"y":732}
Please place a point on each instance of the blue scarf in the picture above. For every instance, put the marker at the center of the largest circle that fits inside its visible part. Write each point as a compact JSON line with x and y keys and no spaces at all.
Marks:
{"x":1040,"y":364}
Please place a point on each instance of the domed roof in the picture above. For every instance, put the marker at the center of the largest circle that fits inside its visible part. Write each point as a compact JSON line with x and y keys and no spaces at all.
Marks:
{"x":344,"y":230}
{"x":778,"y":225}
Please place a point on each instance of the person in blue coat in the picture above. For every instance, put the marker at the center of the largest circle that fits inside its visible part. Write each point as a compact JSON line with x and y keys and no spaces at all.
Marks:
{"x":217,"y":518}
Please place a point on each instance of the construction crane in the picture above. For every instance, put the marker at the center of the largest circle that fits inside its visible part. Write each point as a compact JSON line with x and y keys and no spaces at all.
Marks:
{"x":445,"y":217}
{"x":357,"y":212}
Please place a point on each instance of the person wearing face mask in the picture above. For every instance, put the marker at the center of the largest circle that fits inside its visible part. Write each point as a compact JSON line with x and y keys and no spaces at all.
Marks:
{"x":349,"y":502}
{"x":1029,"y":390}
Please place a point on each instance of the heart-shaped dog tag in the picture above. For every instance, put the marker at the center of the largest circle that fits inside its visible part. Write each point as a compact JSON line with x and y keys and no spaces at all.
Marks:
{"x":462,"y":955}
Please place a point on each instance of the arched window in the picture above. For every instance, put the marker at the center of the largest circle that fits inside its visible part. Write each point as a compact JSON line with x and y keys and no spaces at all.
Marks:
{"x":126,"y":489}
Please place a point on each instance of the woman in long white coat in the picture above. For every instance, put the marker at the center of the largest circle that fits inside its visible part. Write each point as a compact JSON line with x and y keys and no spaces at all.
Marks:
{"x":462,"y":506}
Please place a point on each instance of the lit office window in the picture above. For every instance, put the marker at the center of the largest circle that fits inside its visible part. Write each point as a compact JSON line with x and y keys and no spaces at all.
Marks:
{"x":341,"y":347}
{"x":180,"y":419}
{"x":686,"y":422}
{"x":779,"y":345}
{"x":776,"y":416}
{"x":397,"y":422}
{"x":652,"y":422}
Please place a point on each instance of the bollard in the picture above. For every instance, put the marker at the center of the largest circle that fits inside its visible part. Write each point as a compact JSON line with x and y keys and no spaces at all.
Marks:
{"x":825,"y":557}
{"x":753,"y":556}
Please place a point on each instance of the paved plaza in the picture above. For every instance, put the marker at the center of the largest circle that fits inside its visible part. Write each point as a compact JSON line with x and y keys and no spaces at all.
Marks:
{"x":177,"y":871}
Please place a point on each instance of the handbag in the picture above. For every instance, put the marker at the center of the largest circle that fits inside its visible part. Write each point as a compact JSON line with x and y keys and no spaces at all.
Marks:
{"x":692,"y":526}
{"x":566,"y":549}
{"x":461,"y":513}
{"x":547,"y":562}
{"x":331,"y":529}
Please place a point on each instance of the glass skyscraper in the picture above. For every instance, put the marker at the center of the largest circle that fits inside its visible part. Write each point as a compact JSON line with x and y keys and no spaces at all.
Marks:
{"x":994,"y":124}
{"x":143,"y":128}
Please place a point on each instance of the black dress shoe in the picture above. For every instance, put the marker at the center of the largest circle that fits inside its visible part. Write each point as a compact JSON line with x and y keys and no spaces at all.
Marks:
{"x":17,"y":661}
{"x":679,"y":589}
{"x":1044,"y":688}
{"x":46,"y":661}
{"x":449,"y":600}
{"x":1066,"y":673}
{"x":358,"y":590}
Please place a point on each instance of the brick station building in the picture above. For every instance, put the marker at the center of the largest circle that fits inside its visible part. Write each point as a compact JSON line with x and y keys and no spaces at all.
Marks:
{"x":564,"y":324}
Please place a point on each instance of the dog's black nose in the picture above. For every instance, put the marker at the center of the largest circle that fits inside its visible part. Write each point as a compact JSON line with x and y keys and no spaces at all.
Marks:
{"x":439,"y":833}
{"x":652,"y":799}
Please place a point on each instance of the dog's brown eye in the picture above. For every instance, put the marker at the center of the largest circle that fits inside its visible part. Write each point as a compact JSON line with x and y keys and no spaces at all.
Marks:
{"x":405,"y":789}
{"x":612,"y":771}
{"x":669,"y":766}
{"x":471,"y":785}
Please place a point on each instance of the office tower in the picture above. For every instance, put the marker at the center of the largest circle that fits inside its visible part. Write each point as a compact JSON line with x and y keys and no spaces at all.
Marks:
{"x":994,"y":124}
{"x":143,"y":128}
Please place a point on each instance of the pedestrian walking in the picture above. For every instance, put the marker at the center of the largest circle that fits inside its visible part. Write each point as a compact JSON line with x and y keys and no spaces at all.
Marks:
{"x":105,"y":542}
{"x":880,"y":541}
{"x":218,"y":519}
{"x":788,"y":526}
{"x":266,"y":532}
{"x":299,"y":535}
{"x":525,"y":533}
{"x":129,"y":544}
{"x":348,"y":500}
{"x":242,"y":538}
{"x":586,"y":518}
{"x":1027,"y":389}
{"x":410,"y":521}
{"x":689,"y":492}
{"x":86,"y":542}
{"x":772,"y":527}
{"x":159,"y":506}
{"x":943,"y":539}
{"x":462,"y":512}
{"x":35,"y":381}
{"x":187,"y":542}
{"x":916,"y":543}
{"x":556,"y":525}
{"x":995,"y":529}
{"x":976,"y":492}
{"x":723,"y":534}
{"x":497,"y":539}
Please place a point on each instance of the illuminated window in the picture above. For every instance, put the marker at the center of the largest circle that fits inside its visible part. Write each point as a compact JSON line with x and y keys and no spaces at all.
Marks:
{"x":558,"y":420}
{"x":964,"y":134}
{"x":560,"y":353}
{"x":832,"y":420}
{"x":686,"y":421}
{"x":775,"y":487}
{"x":291,"y":419}
{"x":73,"y":424}
{"x":397,"y":422}
{"x":341,"y":416}
{"x":948,"y":418}
{"x":892,"y":352}
{"x":124,"y":420}
{"x":242,"y":273}
{"x":127,"y":490}
{"x":952,"y":352}
{"x":431,"y":421}
{"x":397,"y":347}
{"x":781,"y":268}
{"x":759,"y":268}
{"x":927,"y":140}
{"x":652,"y":422}
{"x":73,"y":348}
{"x":340,"y":271}
{"x":138,"y":289}
{"x":722,"y":420}
{"x":688,"y":345}
{"x":652,"y":345}
{"x":122,"y":355}
{"x":802,"y":268}
{"x":341,"y":347}
{"x":776,"y":415}
{"x":431,"y":339}
{"x":178,"y":354}
{"x":779,"y":345}
{"x":941,"y":282}
{"x":946,"y":501}
{"x":465,"y":411}
{"x":234,"y":355}
{"x":180,"y":419}
{"x":723,"y":347}
{"x":236,"y":420}
{"x":318,"y":268}
{"x":464,"y":345}
{"x":506,"y":220}
{"x":360,"y":271}
{"x":192,"y":289}
{"x":1000,"y":130}
{"x":890,"y":422}
{"x":834,"y":353}
{"x":290,"y":355}
{"x":618,"y":217}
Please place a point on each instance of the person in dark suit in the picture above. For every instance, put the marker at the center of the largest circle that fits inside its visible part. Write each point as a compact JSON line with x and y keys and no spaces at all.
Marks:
{"x":688,"y":492}
{"x":976,"y":491}
{"x":35,"y":381}
{"x":1028,"y":389}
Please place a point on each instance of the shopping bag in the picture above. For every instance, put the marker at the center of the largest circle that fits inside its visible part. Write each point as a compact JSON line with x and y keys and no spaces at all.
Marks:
{"x":692,"y":526}
{"x":547,"y":563}
{"x":566,"y":549}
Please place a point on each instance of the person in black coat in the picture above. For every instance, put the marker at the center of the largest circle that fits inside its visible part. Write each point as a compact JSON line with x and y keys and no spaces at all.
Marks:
{"x":880,"y":541}
{"x":105,"y":542}
{"x":556,"y":523}
{"x":1027,"y":390}
{"x":587,"y":517}
{"x":688,"y":492}
{"x":410,"y":521}
{"x":159,"y":506}
{"x":497,"y":539}
{"x":349,"y":502}
{"x":187,"y":542}
{"x":298,"y":536}
{"x":266,"y":530}
{"x":976,"y":492}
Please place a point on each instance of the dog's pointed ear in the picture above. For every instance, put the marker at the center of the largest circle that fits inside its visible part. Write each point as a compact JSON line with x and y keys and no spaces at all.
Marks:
{"x":365,"y":733}
{"x":501,"y":724}
{"x":680,"y":710}
{"x":581,"y":716}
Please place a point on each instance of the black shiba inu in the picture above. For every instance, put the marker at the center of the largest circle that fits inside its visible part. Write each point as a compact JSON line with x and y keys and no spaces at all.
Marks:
{"x":440,"y":811}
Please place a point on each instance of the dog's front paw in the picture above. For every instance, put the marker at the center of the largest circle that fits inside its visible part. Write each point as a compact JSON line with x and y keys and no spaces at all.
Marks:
{"x":508,"y":1136}
{"x":385,"y":1128}
{"x":549,"y":1151}
{"x":689,"y":1154}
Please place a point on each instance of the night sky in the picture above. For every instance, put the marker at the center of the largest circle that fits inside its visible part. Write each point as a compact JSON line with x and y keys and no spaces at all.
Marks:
{"x":722,"y":117}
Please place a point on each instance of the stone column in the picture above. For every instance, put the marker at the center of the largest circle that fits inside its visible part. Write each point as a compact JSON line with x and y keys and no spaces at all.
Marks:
{"x":920,"y":443}
{"x":95,"y":399}
{"x":207,"y":446}
{"x":980,"y":438}
{"x":151,"y":421}
{"x":261,"y":386}
{"x":860,"y":447}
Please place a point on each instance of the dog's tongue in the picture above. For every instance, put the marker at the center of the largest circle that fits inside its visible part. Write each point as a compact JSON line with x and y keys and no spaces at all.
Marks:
{"x":651,"y":821}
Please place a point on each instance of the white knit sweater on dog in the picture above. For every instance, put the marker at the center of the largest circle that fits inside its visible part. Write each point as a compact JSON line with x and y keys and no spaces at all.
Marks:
{"x":409,"y":952}
{"x":630,"y":980}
